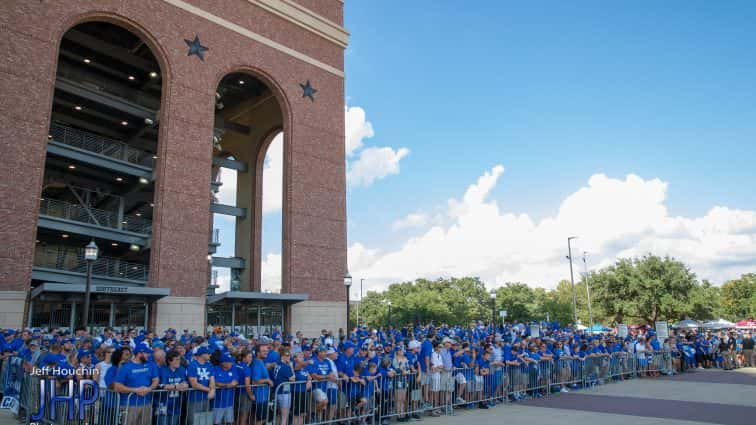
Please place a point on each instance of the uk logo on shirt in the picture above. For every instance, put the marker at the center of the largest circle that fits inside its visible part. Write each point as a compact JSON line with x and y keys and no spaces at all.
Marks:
{"x":203,"y":374}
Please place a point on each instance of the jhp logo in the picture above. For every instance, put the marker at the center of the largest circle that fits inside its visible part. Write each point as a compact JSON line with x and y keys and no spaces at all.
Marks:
{"x":88,"y":393}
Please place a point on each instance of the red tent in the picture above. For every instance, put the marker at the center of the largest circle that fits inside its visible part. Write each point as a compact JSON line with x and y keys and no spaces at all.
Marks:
{"x":750,"y":323}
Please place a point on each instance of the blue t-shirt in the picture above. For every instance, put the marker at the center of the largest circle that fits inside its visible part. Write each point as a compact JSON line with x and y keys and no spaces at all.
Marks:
{"x":369,"y":389}
{"x":300,"y":377}
{"x":171,"y":399}
{"x":258,"y":372}
{"x":136,"y":375}
{"x":425,"y":351}
{"x":320,"y":368}
{"x":110,"y":397}
{"x":242,"y":371}
{"x":281,"y":374}
{"x":202,"y":373}
{"x":224,"y":397}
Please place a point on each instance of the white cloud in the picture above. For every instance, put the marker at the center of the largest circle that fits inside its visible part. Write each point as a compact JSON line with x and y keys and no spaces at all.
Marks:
{"x":357,"y":128}
{"x":374,"y":164}
{"x":227,"y":193}
{"x":612,"y":217}
{"x":271,"y":273}
{"x":273,"y":176}
{"x":417,"y":219}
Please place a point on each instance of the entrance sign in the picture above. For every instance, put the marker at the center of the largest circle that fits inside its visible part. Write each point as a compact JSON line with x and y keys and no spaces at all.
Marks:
{"x":662,"y":330}
{"x":535,"y":330}
{"x":502,"y":313}
{"x":622,"y":330}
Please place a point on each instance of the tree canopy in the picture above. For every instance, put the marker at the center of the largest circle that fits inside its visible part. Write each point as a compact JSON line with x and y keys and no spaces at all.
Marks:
{"x":636,"y":291}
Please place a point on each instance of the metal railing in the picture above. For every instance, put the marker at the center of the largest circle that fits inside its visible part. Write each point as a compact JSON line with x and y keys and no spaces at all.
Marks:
{"x":100,"y":145}
{"x":75,"y":212}
{"x":72,"y":260}
{"x":372,"y":396}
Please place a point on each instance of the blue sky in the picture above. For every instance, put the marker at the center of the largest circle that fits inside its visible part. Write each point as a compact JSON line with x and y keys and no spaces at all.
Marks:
{"x":555,"y":92}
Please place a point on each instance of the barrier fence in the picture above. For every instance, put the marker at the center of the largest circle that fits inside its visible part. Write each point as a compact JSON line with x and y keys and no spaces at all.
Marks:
{"x":376,"y":398}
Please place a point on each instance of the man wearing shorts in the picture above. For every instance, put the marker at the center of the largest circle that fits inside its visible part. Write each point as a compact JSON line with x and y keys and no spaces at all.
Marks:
{"x":226,"y":380}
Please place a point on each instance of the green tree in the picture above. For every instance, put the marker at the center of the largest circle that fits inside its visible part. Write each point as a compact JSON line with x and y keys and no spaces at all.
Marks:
{"x":644,"y":289}
{"x":739,"y":297}
{"x":518,"y":299}
{"x":704,"y":302}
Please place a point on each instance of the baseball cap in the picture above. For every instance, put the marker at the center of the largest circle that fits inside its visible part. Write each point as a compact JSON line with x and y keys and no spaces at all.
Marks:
{"x":202,"y":350}
{"x":141,"y":348}
{"x":414,"y":344}
{"x":226,"y":358}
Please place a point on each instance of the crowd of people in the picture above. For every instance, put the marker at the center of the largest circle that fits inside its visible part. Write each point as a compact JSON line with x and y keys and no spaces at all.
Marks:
{"x":359,"y":376}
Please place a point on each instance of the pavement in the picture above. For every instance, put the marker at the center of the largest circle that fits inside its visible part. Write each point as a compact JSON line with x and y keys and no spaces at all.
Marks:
{"x":696,"y":398}
{"x":703,"y":397}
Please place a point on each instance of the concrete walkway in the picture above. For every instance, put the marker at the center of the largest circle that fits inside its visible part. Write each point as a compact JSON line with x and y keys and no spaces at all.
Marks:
{"x":701,"y":397}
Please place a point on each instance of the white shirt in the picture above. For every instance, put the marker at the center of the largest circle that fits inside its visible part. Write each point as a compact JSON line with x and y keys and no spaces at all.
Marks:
{"x":436,"y":360}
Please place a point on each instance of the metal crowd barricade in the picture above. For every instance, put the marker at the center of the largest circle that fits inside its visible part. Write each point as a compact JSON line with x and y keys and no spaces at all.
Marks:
{"x":621,"y":366}
{"x":595,"y":370}
{"x":567,"y":372}
{"x":325,"y":402}
{"x":470,"y":388}
{"x":530,"y":379}
{"x":400,"y":396}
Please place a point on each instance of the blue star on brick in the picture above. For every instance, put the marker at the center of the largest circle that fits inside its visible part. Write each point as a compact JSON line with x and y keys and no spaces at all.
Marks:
{"x":196,"y":48}
{"x":308,"y":91}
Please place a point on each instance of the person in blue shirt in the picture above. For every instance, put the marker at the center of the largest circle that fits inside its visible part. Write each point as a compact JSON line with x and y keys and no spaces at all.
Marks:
{"x":426,"y":350}
{"x":226,"y":380}
{"x":260,"y":379}
{"x":201,"y":381}
{"x":172,"y":382}
{"x":283,"y":377}
{"x":483,"y":369}
{"x":135,"y":381}
{"x":244,"y":394}
{"x":300,"y":395}
{"x":386,"y":384}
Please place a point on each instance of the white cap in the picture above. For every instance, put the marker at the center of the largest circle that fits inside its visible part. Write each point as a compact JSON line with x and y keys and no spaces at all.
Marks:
{"x":413,"y":344}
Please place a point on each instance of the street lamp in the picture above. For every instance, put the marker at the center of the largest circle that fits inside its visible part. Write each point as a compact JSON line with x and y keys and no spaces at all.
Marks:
{"x":572,"y":279}
{"x":588,"y":290}
{"x":493,"y":309}
{"x":90,"y":255}
{"x":347,"y":284}
{"x":389,"y":315}
{"x":359,"y":306}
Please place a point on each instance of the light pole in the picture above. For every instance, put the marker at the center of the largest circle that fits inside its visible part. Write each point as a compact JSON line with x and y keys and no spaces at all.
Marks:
{"x":90,"y":255}
{"x":389,"y":312}
{"x":493,"y":309}
{"x":588,"y":290}
{"x":572,"y":278}
{"x":347,"y":284}
{"x":359,"y":306}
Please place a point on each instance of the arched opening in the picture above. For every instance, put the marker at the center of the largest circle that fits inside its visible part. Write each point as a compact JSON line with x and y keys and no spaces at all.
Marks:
{"x":246,"y":240}
{"x":272,"y":216}
{"x":98,"y":180}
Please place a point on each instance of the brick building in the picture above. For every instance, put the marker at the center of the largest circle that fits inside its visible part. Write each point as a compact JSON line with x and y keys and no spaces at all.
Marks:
{"x":116,"y":117}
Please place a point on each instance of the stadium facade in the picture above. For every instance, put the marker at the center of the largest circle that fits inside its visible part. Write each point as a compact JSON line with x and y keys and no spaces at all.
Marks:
{"x":116,"y":118}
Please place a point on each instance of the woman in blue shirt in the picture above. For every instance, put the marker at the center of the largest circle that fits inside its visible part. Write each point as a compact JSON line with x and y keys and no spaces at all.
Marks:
{"x":283,"y":376}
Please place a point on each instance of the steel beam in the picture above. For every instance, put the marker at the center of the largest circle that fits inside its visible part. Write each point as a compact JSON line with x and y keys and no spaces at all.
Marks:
{"x":228,"y":210}
{"x":230,"y":163}
{"x":103,"y":98}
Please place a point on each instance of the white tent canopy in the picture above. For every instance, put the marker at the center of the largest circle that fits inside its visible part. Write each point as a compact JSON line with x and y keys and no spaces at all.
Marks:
{"x":687,"y":324}
{"x":718,"y":324}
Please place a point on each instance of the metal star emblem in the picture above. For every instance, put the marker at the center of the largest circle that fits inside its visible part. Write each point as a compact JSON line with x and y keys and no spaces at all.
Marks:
{"x":308,"y":91}
{"x":196,"y":48}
